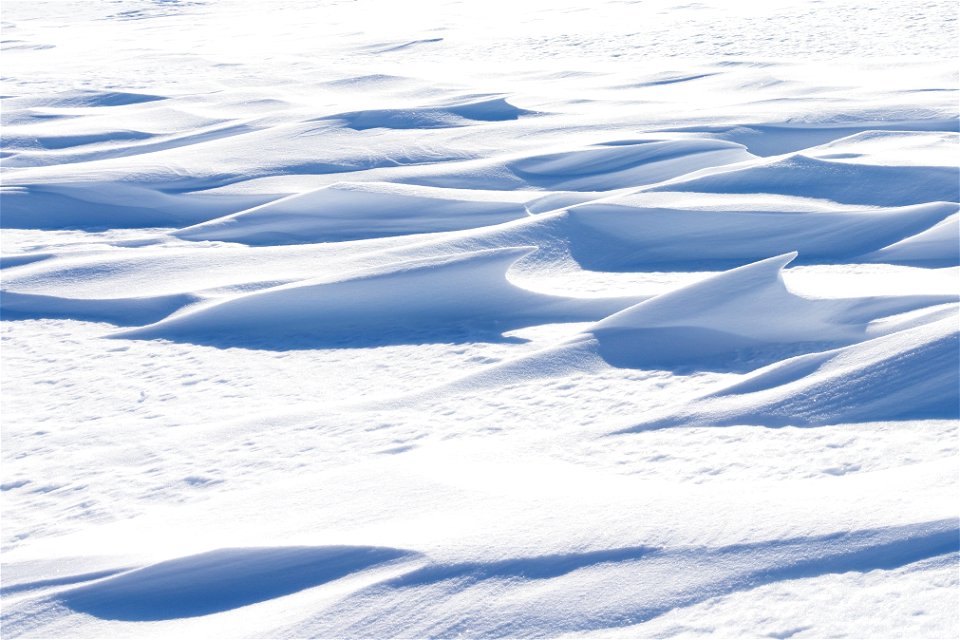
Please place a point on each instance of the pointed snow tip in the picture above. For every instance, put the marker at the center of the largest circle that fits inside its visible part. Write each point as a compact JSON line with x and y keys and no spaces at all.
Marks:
{"x":783,"y":259}
{"x":790,"y":257}
{"x":779,"y":262}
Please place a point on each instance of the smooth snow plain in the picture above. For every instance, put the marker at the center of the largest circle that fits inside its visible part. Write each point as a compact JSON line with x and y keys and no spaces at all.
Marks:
{"x":480,"y":319}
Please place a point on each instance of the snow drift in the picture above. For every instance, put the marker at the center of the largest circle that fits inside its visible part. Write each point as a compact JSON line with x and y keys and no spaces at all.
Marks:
{"x":737,"y":313}
{"x":908,"y":375}
{"x":220,"y":580}
{"x":347,"y":211}
{"x":855,"y":170}
{"x":619,"y":235}
{"x":432,"y":299}
{"x":461,"y":114}
{"x":479,"y":327}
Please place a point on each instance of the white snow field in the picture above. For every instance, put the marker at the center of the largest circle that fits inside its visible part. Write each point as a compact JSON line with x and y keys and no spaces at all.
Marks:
{"x":479,"y":319}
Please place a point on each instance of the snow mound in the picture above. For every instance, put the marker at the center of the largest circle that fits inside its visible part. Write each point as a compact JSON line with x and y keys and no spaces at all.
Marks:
{"x":776,"y":139}
{"x":114,"y":205}
{"x":85,"y":99}
{"x":742,"y":313}
{"x":734,"y":311}
{"x":59,"y":142}
{"x":221,"y":580}
{"x":702,"y":304}
{"x":895,"y":148}
{"x":615,"y":236}
{"x":434,"y":299}
{"x":119,"y":311}
{"x":506,"y":598}
{"x":836,"y":173}
{"x":352,"y":211}
{"x":8,"y":261}
{"x":735,"y":321}
{"x":626,"y":164}
{"x":908,"y":375}
{"x":936,"y":246}
{"x":454,"y":115}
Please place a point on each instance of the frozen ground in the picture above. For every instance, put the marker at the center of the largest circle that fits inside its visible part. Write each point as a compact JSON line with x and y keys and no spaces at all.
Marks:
{"x":480,"y":319}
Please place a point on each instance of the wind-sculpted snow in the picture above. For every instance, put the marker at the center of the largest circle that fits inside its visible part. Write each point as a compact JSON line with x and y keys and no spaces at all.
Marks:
{"x":488,"y":110}
{"x":506,"y":599}
{"x":773,"y":140}
{"x":737,"y":312}
{"x":742,"y":319}
{"x":104,"y":205}
{"x":934,"y":246}
{"x":346,"y":211}
{"x":436,"y":299}
{"x":749,"y":303}
{"x":431,"y":319}
{"x":121,"y":311}
{"x":220,"y":580}
{"x":626,"y":164}
{"x":84,"y":99}
{"x":623,"y":236}
{"x":911,"y":374}
{"x":839,"y":180}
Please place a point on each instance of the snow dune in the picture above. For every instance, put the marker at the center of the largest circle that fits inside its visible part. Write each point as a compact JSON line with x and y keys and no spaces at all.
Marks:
{"x":109,"y":206}
{"x":745,"y":318}
{"x":624,"y":163}
{"x":236,"y":577}
{"x":220,"y":580}
{"x":912,"y":374}
{"x":84,"y":99}
{"x":612,"y":233}
{"x":121,"y":311}
{"x":620,"y":235}
{"x":628,"y":320}
{"x":777,"y":139}
{"x":466,"y":292}
{"x":849,"y":179}
{"x":744,"y":309}
{"x":503,"y":598}
{"x":352,"y":211}
{"x":486,"y":110}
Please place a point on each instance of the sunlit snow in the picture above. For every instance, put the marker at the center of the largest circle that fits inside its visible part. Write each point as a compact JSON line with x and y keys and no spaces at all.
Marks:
{"x":370,"y":319}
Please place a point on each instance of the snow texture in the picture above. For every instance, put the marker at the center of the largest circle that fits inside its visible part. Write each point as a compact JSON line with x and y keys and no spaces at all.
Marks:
{"x":481,"y":320}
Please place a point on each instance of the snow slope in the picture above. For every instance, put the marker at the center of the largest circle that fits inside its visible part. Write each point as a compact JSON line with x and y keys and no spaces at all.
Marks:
{"x":436,"y":319}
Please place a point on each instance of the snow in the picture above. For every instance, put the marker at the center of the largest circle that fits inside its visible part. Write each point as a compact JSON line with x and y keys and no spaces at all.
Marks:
{"x":437,"y":319}
{"x":353,"y":211}
{"x":468,"y":294}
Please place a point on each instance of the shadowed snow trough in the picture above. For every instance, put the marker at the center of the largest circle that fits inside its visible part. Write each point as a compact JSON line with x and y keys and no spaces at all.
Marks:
{"x":220,"y":580}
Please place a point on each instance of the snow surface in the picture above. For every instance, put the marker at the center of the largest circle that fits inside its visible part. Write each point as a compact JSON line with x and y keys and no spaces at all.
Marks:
{"x":447,"y":319}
